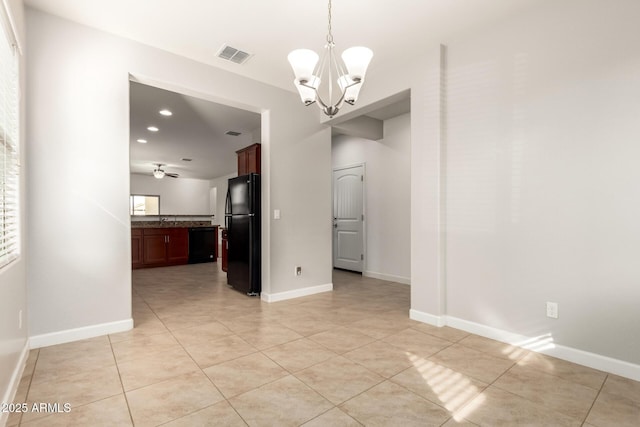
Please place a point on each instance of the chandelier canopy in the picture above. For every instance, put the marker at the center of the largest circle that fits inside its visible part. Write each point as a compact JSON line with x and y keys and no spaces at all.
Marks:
{"x":349,"y":73}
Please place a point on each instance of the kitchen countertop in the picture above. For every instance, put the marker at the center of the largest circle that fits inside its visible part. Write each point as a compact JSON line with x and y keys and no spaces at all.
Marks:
{"x":171,"y":224}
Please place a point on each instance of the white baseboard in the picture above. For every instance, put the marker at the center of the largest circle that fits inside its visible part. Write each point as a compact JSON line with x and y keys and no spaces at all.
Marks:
{"x":77,"y":334}
{"x":297,"y":293}
{"x":542,"y":344}
{"x":388,"y":277}
{"x":427,"y":318}
{"x":14,"y":383}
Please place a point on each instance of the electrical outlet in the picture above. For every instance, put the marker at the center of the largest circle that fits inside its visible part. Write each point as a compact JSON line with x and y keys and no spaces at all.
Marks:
{"x":298,"y":271}
{"x":552,"y":310}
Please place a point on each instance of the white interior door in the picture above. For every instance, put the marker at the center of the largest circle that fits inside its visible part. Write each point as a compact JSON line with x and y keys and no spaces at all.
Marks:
{"x":348,"y":218}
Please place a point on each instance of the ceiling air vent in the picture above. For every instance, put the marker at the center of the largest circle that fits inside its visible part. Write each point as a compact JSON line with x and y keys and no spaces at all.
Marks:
{"x":232,"y":54}
{"x":232,"y":133}
{"x":184,"y":159}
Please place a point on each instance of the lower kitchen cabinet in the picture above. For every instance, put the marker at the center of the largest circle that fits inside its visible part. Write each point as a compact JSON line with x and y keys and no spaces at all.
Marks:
{"x":136,"y":248}
{"x":154,"y":250}
{"x":164,"y":246}
{"x":178,"y":246}
{"x":225,"y":245}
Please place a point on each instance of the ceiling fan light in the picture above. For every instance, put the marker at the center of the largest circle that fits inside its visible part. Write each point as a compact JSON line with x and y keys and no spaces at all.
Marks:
{"x":357,"y":59}
{"x":308,"y":94}
{"x":158,"y":173}
{"x":303,"y":62}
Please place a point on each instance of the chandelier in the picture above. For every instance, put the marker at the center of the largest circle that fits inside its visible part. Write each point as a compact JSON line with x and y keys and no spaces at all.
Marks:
{"x":349,"y":73}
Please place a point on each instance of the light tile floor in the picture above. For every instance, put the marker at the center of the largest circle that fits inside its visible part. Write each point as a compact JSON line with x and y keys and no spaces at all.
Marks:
{"x":203,"y":354}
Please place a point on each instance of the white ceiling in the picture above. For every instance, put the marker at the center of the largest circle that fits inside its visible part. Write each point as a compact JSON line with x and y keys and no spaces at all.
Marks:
{"x":196,"y":130}
{"x":269,"y":30}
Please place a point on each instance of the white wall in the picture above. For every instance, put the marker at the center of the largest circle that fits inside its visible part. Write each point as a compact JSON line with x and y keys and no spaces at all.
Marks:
{"x":256,"y":136}
{"x":543,"y":198}
{"x":387,"y":196}
{"x":78,"y":122}
{"x":524,"y":178}
{"x":221,"y":184}
{"x":13,"y":284}
{"x":179,"y":196}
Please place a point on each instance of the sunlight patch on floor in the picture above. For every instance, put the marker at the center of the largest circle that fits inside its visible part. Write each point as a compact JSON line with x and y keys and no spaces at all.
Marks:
{"x":453,"y":389}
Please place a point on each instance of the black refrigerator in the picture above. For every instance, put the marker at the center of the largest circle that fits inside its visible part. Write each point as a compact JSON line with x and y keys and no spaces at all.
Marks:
{"x":242,"y":220}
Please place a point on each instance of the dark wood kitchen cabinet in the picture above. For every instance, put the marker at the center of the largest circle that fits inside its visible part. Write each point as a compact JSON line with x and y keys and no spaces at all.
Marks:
{"x":154,"y":248}
{"x":249,"y":160}
{"x":225,"y":246}
{"x":165,"y":246}
{"x":136,"y":248}
{"x":178,"y":246}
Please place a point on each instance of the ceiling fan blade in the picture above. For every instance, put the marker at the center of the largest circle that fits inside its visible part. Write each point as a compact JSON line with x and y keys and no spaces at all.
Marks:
{"x":172,"y":175}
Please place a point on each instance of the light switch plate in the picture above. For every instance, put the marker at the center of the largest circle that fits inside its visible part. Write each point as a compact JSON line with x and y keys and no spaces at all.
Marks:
{"x":276,"y":214}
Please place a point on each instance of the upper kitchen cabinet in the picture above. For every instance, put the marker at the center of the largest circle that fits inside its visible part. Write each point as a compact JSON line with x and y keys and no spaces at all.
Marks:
{"x":249,"y":160}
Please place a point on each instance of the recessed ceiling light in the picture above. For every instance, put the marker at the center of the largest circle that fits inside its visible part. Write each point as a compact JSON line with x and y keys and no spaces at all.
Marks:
{"x":165,"y":112}
{"x":153,"y":129}
{"x":142,"y":141}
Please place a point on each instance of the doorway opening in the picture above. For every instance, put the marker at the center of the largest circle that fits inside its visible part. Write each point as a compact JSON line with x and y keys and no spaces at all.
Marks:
{"x":371,"y":211}
{"x":183,"y":151}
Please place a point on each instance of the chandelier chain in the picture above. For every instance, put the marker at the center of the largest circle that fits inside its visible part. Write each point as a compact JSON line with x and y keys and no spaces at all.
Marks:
{"x":329,"y":34}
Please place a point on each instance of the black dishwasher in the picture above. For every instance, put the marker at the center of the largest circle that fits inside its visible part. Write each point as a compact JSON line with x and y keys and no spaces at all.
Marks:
{"x":202,"y":244}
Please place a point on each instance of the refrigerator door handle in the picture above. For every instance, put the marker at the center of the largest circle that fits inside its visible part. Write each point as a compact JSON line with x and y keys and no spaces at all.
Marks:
{"x":251,"y":188}
{"x":227,"y":209}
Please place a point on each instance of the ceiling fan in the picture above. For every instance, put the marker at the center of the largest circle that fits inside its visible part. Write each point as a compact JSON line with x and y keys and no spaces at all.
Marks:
{"x":159,"y":173}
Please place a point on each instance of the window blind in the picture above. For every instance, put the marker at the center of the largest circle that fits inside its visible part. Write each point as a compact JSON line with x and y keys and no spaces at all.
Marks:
{"x":9,"y":155}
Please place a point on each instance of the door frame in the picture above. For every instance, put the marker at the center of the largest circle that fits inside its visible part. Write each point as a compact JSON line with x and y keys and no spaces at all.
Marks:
{"x":364,"y":212}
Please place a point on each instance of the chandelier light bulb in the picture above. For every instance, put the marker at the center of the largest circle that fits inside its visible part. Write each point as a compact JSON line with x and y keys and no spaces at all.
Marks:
{"x":303,"y":62}
{"x":357,"y":59}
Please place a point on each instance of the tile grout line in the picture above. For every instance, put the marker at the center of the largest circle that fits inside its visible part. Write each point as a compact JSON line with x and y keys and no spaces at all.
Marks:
{"x":124,"y":393}
{"x":555,"y":376}
{"x":33,"y":372}
{"x":329,"y":410}
{"x":596,"y":399}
